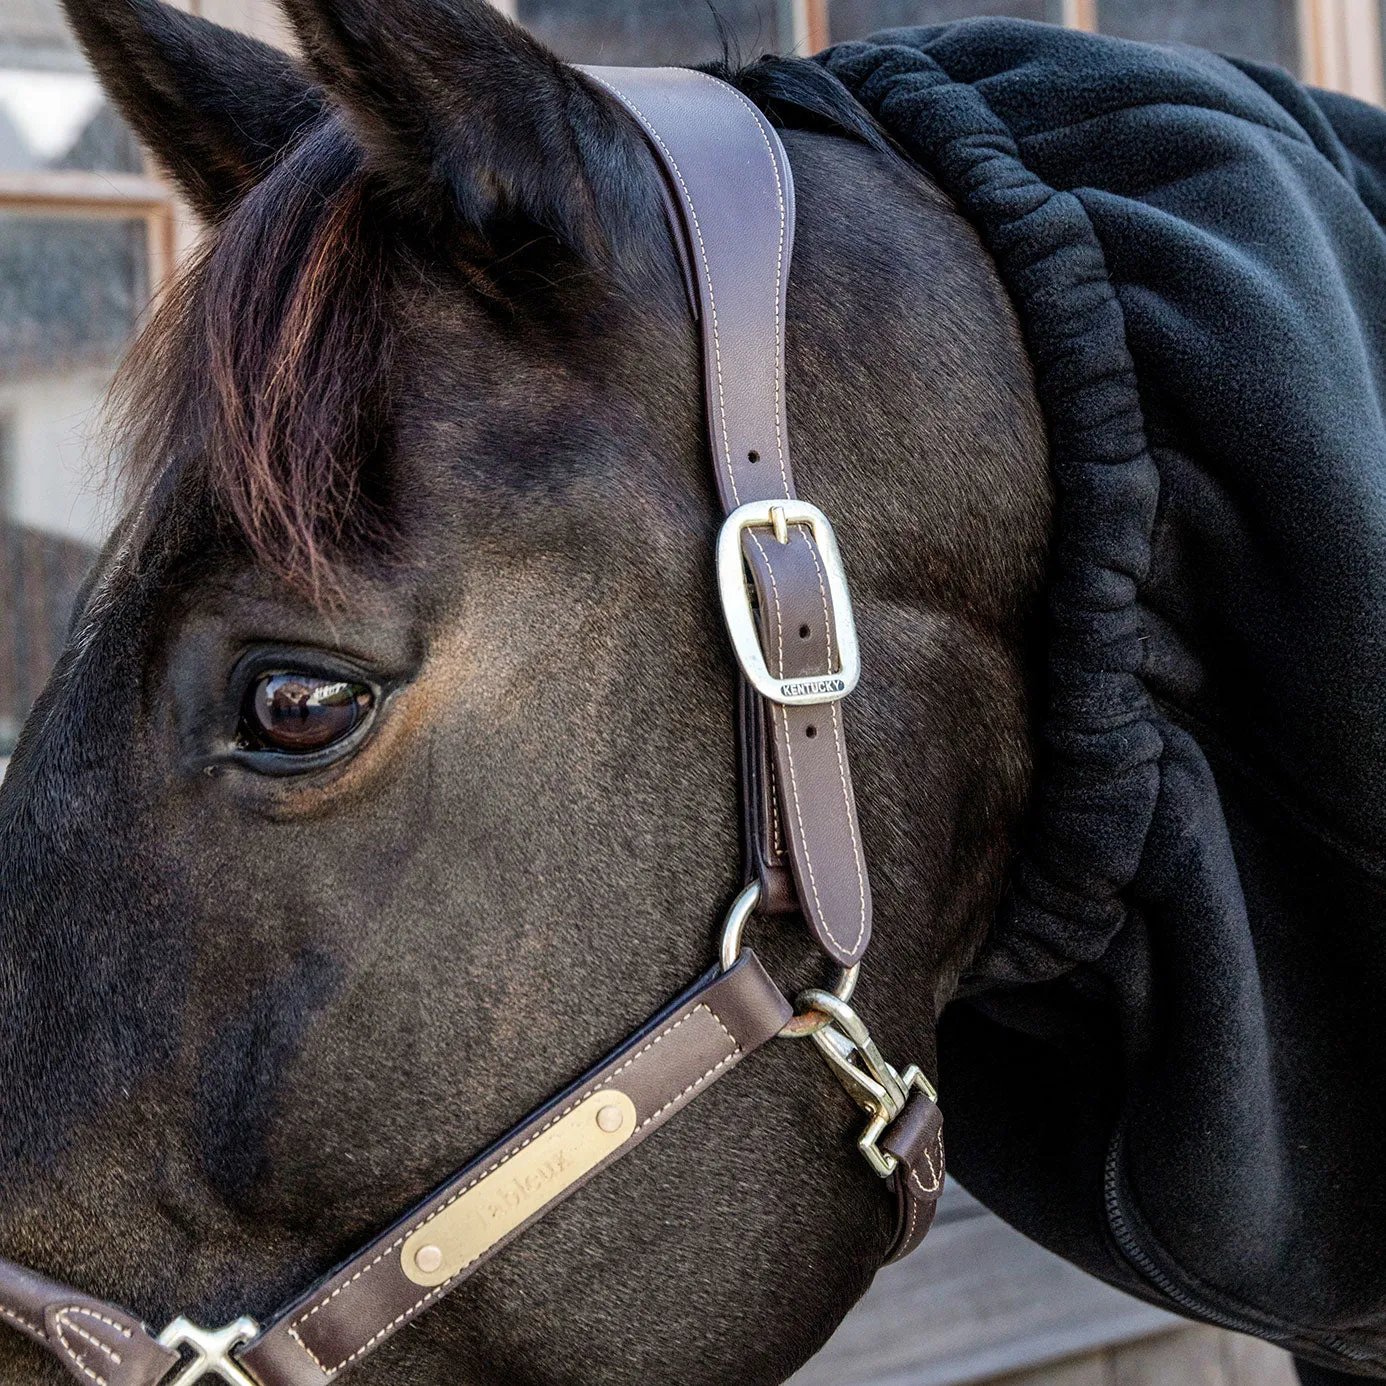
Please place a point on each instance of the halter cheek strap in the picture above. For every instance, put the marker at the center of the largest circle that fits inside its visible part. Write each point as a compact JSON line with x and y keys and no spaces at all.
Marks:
{"x":733,"y":190}
{"x":731,"y":200}
{"x":784,"y":594}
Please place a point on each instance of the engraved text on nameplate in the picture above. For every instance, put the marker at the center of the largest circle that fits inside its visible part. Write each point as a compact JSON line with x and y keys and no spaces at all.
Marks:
{"x":524,"y":1184}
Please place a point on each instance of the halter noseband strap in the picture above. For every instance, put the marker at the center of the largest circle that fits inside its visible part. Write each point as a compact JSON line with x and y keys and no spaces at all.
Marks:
{"x":731,"y":198}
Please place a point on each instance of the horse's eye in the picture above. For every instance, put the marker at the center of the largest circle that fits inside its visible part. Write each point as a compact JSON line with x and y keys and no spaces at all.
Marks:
{"x":300,"y":713}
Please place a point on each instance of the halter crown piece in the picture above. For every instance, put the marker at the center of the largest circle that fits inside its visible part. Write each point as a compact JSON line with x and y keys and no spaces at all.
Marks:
{"x":784,"y":594}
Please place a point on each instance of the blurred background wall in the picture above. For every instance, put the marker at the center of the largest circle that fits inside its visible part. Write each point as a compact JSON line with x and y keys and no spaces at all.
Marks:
{"x":89,"y":233}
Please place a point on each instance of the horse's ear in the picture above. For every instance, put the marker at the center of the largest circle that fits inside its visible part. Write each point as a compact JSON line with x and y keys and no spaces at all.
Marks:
{"x":216,"y":108}
{"x":466,"y":115}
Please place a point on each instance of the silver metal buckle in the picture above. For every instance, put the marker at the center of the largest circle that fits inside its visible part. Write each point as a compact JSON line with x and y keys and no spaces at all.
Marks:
{"x":778,"y":515}
{"x":213,"y":1348}
{"x":798,"y":1026}
{"x":876,"y":1086}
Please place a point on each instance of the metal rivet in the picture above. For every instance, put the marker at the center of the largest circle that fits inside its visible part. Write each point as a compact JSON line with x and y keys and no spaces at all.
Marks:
{"x":428,"y":1259}
{"x":609,"y":1119}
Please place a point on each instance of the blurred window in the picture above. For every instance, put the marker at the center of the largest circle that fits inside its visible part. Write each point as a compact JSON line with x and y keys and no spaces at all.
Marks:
{"x":71,"y":289}
{"x":850,"y":19}
{"x":85,"y":233}
{"x":1265,"y":30}
{"x":52,"y":113}
{"x":656,"y":31}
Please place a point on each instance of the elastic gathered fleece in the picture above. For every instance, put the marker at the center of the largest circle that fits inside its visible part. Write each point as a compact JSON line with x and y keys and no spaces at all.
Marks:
{"x":1171,"y":1062}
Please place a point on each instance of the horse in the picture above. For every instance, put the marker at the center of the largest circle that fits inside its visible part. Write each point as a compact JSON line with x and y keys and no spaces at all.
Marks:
{"x":418,"y":440}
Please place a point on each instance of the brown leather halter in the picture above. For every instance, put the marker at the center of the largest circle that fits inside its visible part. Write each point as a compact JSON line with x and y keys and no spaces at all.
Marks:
{"x":731,"y":200}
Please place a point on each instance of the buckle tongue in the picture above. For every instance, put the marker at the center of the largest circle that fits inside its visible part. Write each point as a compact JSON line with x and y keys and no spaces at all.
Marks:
{"x":778,"y":515}
{"x":213,"y":1348}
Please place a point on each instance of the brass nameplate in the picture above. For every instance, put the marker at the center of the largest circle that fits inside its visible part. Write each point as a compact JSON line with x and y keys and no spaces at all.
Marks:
{"x":513,"y":1192}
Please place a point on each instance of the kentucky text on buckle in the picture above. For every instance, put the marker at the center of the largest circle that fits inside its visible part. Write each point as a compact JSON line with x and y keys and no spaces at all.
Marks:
{"x":700,"y":128}
{"x":778,"y":515}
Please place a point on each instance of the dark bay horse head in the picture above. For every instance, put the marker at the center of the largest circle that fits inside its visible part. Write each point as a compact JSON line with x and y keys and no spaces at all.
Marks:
{"x":389,"y":777}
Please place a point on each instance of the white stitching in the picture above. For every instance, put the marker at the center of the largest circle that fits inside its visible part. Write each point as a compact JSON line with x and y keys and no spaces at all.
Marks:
{"x":781,"y":205}
{"x":933,"y":1174}
{"x":779,"y":274}
{"x":707,"y":270}
{"x":776,"y":829}
{"x":597,"y":1086}
{"x":823,"y":597}
{"x":838,"y":735}
{"x":62,"y":1319}
{"x":925,"y":1191}
{"x":99,"y":1318}
{"x":447,"y":1285}
{"x":912,"y":1177}
{"x":76,"y":1358}
{"x":775,"y":592}
{"x":96,"y":1343}
{"x":838,"y":745}
{"x":720,"y":1064}
{"x":803,"y":834}
{"x":778,"y":711}
{"x":851,"y":830}
{"x":914,"y":1217}
{"x":317,"y":1361}
{"x":784,"y":474}
{"x":21,"y":1321}
{"x":822,"y":590}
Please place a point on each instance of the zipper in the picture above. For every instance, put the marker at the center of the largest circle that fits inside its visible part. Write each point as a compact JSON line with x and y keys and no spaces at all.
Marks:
{"x":1168,"y":1281}
{"x":1131,"y":1248}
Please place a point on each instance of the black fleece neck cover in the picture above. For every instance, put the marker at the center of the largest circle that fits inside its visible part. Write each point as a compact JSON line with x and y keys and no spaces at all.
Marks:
{"x":1171,"y":1065}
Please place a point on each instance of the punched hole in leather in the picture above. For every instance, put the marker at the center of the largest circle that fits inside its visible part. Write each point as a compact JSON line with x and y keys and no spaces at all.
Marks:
{"x":730,"y":193}
{"x":729,"y":176}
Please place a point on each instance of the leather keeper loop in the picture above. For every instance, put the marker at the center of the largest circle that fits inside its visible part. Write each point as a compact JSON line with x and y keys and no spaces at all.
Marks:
{"x":729,"y":179}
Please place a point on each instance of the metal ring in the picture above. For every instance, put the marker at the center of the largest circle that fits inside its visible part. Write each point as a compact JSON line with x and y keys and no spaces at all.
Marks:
{"x":806,"y":1022}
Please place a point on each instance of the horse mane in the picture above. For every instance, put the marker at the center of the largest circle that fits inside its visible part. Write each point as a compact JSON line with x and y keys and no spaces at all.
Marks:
{"x":263,"y":377}
{"x":801,"y":94}
{"x":264,"y":371}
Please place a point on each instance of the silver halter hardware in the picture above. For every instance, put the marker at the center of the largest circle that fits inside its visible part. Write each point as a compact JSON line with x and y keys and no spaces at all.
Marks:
{"x":806,"y":1022}
{"x":778,"y":515}
{"x":213,"y":1348}
{"x":875,"y":1085}
{"x":703,"y":130}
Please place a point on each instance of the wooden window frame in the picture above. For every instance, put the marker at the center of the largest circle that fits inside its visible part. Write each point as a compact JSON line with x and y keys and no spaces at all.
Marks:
{"x":1340,"y":41}
{"x":805,"y":23}
{"x":100,"y":197}
{"x":1340,"y":46}
{"x":1079,"y":14}
{"x":27,"y":555}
